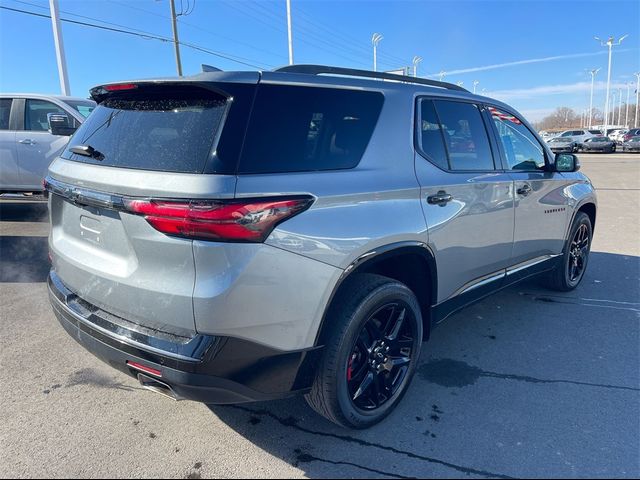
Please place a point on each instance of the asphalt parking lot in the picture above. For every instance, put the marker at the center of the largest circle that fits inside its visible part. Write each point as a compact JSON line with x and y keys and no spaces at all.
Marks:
{"x":527,"y":383}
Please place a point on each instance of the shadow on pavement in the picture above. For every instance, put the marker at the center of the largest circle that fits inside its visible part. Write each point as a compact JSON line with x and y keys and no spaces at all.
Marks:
{"x":506,"y":388}
{"x":23,"y":212}
{"x":23,"y":259}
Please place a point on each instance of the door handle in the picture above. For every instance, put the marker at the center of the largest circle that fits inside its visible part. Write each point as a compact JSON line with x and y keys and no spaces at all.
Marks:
{"x":441,"y":198}
{"x":27,"y":141}
{"x":524,"y":190}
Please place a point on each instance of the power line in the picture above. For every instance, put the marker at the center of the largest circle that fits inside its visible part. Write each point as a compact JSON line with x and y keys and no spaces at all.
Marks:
{"x":138,"y":34}
{"x":337,"y":50}
{"x":181,"y":21}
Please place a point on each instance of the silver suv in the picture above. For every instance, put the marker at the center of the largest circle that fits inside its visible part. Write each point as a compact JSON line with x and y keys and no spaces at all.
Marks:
{"x":29,"y":141}
{"x":240,"y":236}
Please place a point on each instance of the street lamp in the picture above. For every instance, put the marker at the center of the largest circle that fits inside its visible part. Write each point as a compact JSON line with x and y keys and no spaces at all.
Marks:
{"x":375,"y":40}
{"x":593,"y":73}
{"x":475,"y":84}
{"x":416,"y":61}
{"x":460,"y":83}
{"x":610,"y":43}
{"x":441,"y":75}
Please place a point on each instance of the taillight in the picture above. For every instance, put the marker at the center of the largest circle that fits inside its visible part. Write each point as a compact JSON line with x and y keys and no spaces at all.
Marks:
{"x":250,"y":220}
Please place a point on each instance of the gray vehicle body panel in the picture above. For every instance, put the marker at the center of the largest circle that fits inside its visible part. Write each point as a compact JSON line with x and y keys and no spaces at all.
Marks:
{"x":276,"y":293}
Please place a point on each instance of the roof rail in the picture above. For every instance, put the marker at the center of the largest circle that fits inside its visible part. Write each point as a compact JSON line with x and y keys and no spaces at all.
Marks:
{"x":352,"y":72}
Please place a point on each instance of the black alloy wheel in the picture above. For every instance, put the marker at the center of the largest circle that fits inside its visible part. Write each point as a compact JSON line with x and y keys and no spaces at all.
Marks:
{"x":381,"y":356}
{"x":579,"y":252}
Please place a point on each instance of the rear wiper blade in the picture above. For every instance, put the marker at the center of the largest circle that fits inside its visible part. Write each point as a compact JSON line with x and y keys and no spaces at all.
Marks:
{"x":86,"y":151}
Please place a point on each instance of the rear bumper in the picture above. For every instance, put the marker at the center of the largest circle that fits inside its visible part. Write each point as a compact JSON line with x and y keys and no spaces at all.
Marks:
{"x":203,"y":368}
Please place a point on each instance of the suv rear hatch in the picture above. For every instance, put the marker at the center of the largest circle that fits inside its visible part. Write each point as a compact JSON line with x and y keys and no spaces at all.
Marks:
{"x":144,"y":141}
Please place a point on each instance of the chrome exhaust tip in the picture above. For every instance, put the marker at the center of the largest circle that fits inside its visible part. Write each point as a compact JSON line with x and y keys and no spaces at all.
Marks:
{"x":153,"y":385}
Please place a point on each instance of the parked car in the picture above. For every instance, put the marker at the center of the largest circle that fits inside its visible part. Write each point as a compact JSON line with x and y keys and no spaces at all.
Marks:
{"x":632,"y":145}
{"x":579,"y":136}
{"x":241,"y":236}
{"x":28,"y":141}
{"x":563,"y":145}
{"x":599,"y":144}
{"x":618,"y":135}
{"x":633,"y":132}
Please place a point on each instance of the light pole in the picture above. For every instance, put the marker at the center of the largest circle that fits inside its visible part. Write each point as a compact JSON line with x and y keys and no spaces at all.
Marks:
{"x":475,"y":84}
{"x":460,"y":83}
{"x":441,"y":75}
{"x":626,"y":108}
{"x":416,"y":61}
{"x":610,"y":43}
{"x":289,"y":32}
{"x":612,"y":106}
{"x":57,"y":40}
{"x":593,"y":73}
{"x":619,"y":105}
{"x":375,"y":40}
{"x":636,"y":120}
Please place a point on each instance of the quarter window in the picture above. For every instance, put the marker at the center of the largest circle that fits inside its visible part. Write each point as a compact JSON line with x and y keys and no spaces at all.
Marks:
{"x":5,"y":111}
{"x":522,"y":150}
{"x":36,"y":113}
{"x":465,"y":136}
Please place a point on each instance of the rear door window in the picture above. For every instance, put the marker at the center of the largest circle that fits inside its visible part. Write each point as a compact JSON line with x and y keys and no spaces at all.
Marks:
{"x":170,"y":130}
{"x":296,"y":129}
{"x":465,"y":136}
{"x":430,"y":137}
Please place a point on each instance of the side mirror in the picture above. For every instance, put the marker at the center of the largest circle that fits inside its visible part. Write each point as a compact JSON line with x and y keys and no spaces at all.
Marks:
{"x":567,"y":162}
{"x":59,"y":124}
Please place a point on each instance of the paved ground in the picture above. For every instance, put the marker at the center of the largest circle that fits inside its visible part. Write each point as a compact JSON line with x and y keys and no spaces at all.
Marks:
{"x":527,"y":383}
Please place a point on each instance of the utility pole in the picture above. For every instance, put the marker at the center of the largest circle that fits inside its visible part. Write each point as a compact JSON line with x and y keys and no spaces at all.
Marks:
{"x":57,"y":39}
{"x":176,"y":42}
{"x":636,"y":120}
{"x":609,"y":43}
{"x":289,"y":32}
{"x":593,"y":76}
{"x":375,"y":40}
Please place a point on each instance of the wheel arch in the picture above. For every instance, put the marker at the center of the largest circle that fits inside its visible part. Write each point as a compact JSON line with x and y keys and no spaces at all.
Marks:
{"x":411,"y":263}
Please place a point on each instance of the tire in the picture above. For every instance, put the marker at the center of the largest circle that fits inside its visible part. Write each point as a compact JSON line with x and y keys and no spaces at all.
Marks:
{"x":563,"y":277}
{"x":353,"y":314}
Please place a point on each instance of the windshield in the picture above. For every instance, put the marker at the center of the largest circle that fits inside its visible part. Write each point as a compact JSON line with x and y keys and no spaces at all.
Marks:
{"x":561,"y":140}
{"x":635,"y":139}
{"x":83,"y":107}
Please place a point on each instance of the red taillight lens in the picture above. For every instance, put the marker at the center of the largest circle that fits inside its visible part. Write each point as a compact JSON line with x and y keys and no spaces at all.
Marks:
{"x":231,"y":221}
{"x":120,"y":86}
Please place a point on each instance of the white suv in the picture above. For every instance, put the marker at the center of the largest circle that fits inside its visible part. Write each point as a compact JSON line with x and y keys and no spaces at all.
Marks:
{"x":579,"y":136}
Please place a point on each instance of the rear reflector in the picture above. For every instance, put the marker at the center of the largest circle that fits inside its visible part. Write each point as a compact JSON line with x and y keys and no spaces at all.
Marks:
{"x":120,"y":86}
{"x":250,"y":220}
{"x":142,"y":368}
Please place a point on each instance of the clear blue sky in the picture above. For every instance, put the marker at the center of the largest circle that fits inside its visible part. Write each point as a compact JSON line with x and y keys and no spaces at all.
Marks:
{"x":464,"y":38}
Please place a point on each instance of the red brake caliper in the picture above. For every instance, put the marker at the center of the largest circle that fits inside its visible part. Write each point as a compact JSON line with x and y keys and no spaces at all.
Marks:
{"x":350,"y":367}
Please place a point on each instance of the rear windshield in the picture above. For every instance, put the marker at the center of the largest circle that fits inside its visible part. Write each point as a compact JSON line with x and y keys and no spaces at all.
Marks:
{"x":172,"y":133}
{"x":294,"y":129}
